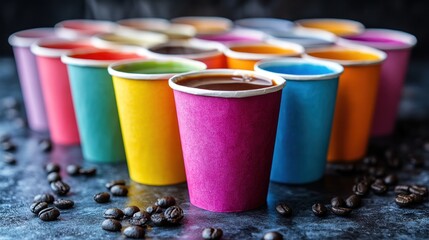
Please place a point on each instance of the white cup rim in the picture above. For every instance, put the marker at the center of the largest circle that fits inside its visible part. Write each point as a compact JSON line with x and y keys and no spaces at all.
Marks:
{"x":16,"y":40}
{"x":39,"y":50}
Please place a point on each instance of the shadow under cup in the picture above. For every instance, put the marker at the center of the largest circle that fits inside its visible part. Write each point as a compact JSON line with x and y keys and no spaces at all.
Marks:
{"x":148,"y":118}
{"x":305,"y":119}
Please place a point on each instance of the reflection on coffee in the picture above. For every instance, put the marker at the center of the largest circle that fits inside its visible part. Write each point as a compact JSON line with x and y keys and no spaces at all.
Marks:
{"x":226,"y":82}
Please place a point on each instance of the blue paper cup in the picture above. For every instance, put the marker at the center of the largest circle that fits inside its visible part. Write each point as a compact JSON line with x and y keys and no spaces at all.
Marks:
{"x":305,"y":120}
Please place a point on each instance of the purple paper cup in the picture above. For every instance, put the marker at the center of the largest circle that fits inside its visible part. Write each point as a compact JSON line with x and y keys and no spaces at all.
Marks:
{"x":227,"y":139}
{"x":397,"y":46}
{"x":29,"y":75}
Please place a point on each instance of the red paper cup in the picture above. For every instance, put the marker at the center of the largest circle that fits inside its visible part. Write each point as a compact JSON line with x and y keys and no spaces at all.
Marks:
{"x":56,"y":88}
{"x":227,"y":140}
{"x":78,"y":28}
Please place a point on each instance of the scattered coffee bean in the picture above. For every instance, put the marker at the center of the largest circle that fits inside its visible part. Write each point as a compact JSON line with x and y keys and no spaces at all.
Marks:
{"x":53,"y":177}
{"x":173,"y":214}
{"x":378,"y":187}
{"x":165,"y":202}
{"x":52,"y":167}
{"x":338,"y":202}
{"x":153,"y":209}
{"x":45,"y":197}
{"x":130,"y":210}
{"x":402,"y":189}
{"x":110,"y":184}
{"x":403,"y":200}
{"x":60,"y":187}
{"x":140,"y":218}
{"x":8,"y":146}
{"x":134,"y":232}
{"x":416,"y":161}
{"x":119,"y":190}
{"x":63,"y":203}
{"x":73,"y":169}
{"x":212,"y":233}
{"x":394,"y":162}
{"x":114,"y":213}
{"x":344,"y":168}
{"x":391,"y":179}
{"x":360,"y":189}
{"x":102,"y":197}
{"x":88,"y":172}
{"x":38,"y":206}
{"x":45,"y":145}
{"x":158,"y":219}
{"x":416,"y":198}
{"x":419,"y":190}
{"x":49,"y":214}
{"x":377,"y":171}
{"x":111,"y":225}
{"x":284,"y":210}
{"x":319,"y":209}
{"x":341,"y":211}
{"x":273,"y":236}
{"x":9,"y":158}
{"x":353,"y":201}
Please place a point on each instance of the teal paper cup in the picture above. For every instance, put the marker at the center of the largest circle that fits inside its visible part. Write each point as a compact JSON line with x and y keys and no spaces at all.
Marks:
{"x":95,"y":104}
{"x":305,"y":120}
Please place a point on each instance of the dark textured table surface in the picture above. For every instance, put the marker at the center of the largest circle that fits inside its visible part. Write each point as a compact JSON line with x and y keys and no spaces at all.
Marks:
{"x":379,"y":217}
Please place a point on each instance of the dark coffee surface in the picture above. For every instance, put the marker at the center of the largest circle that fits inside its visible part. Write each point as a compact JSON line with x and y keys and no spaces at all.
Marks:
{"x":225,"y":83}
{"x":379,"y":217}
{"x":178,"y":50}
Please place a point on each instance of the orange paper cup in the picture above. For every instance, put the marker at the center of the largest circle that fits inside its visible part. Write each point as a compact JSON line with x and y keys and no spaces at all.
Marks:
{"x":356,"y":97}
{"x":206,"y":25}
{"x":245,"y":55}
{"x":339,"y":27}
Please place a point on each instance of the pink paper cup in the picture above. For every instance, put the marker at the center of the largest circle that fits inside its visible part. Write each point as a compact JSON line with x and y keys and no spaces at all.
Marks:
{"x":397,"y":45}
{"x":29,"y":76}
{"x":79,"y":28}
{"x":56,"y":87}
{"x":227,"y":140}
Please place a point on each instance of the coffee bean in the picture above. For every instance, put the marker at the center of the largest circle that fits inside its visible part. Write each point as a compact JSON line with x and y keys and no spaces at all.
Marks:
{"x":119,"y":190}
{"x":416,"y":161}
{"x":377,"y":171}
{"x":394,"y":162}
{"x":419,"y":190}
{"x":341,"y":211}
{"x":73,"y":169}
{"x":353,"y":201}
{"x":391,"y":179}
{"x":402,"y":189}
{"x":273,"y":236}
{"x":319,"y":209}
{"x":403,"y":200}
{"x":102,"y":197}
{"x":38,"y":206}
{"x":370,"y":160}
{"x":63,"y":203}
{"x":284,"y":210}
{"x":8,"y":146}
{"x":53,"y":177}
{"x":60,"y":187}
{"x":114,"y":213}
{"x":360,"y":189}
{"x":130,"y":210}
{"x":52,"y":167}
{"x":153,"y":209}
{"x":173,"y":214}
{"x":110,"y":184}
{"x":45,"y":197}
{"x":45,"y":145}
{"x":212,"y":233}
{"x":344,"y":168}
{"x":165,"y":202}
{"x":378,"y":187}
{"x":140,"y":218}
{"x":5,"y":138}
{"x":338,"y":202}
{"x":134,"y":232}
{"x":88,"y":172}
{"x":111,"y":225}
{"x":49,"y":214}
{"x":416,"y":198}
{"x":158,"y":219}
{"x":9,"y":158}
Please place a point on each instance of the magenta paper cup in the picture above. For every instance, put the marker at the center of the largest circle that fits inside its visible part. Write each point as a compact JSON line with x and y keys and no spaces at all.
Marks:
{"x":397,"y":45}
{"x":227,"y":139}
{"x":80,"y":28}
{"x":29,"y":76}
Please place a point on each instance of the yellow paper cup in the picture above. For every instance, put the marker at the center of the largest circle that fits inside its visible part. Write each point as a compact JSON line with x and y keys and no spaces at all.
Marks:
{"x":147,"y":114}
{"x":356,"y":98}
{"x":245,"y":55}
{"x":339,"y":27}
